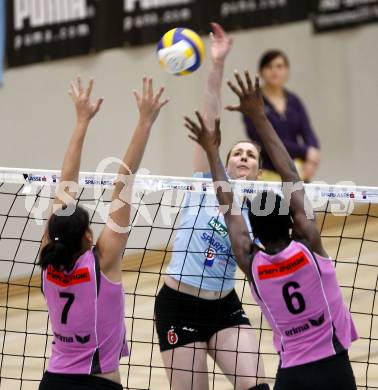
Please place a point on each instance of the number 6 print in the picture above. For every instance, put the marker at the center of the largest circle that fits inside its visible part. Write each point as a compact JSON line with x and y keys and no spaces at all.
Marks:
{"x":301,"y":304}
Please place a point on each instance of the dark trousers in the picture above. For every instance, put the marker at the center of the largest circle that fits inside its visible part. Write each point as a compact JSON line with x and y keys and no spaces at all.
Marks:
{"x":333,"y":373}
{"x":51,"y":381}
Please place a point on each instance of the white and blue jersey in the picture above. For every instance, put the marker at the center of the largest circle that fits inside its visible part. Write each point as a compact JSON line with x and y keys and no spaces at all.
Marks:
{"x":202,"y":254}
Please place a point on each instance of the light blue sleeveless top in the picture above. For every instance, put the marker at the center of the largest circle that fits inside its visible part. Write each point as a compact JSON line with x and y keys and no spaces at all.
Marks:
{"x":202,"y":254}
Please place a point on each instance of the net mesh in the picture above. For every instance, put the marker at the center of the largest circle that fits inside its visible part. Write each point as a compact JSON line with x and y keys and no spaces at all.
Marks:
{"x":347,"y":218}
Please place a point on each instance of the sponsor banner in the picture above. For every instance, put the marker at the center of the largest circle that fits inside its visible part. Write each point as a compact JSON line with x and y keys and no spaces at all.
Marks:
{"x":48,"y":29}
{"x":242,"y":14}
{"x":31,"y":178}
{"x":2,"y":39}
{"x":96,"y":181}
{"x":146,"y":21}
{"x":337,"y":14}
{"x":151,"y":183}
{"x":107,"y":31}
{"x":218,"y":227}
{"x":176,"y":186}
{"x":369,"y":196}
{"x":210,"y":255}
{"x":283,"y":268}
{"x":338,"y":195}
{"x":39,"y":30}
{"x":62,"y":279}
{"x":48,"y":178}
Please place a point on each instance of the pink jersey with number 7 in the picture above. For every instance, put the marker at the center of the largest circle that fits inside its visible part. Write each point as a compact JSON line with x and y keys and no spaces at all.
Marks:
{"x":87,"y":317}
{"x":301,"y":299}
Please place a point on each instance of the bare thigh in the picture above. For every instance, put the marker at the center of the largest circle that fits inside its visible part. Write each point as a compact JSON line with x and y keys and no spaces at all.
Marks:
{"x":236,"y":352}
{"x":186,"y":367}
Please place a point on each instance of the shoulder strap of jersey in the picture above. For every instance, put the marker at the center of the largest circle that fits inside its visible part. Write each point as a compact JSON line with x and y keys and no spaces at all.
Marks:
{"x":255,"y":250}
{"x":43,"y":293}
{"x":97,"y":270}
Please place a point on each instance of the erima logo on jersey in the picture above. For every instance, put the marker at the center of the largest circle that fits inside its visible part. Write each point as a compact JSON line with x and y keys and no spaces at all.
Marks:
{"x":318,"y":321}
{"x":64,"y":339}
{"x":303,"y":328}
{"x":218,"y":227}
{"x":83,"y":340}
{"x":70,"y":339}
{"x":298,"y":329}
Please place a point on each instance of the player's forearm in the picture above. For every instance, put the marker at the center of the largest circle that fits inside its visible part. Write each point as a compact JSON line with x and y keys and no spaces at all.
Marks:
{"x":136,"y":149}
{"x":131,"y":160}
{"x":223,"y":190}
{"x":212,"y":104}
{"x":72,"y":158}
{"x":212,"y":108}
{"x":276,"y":150}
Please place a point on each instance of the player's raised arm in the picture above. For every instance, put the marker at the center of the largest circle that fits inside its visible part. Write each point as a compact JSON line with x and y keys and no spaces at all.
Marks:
{"x":112,"y":240}
{"x":252,"y":105}
{"x":85,"y":112}
{"x":210,"y":140}
{"x":221,"y":45}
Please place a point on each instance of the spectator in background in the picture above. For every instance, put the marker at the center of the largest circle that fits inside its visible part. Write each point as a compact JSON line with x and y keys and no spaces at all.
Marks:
{"x":288,"y":116}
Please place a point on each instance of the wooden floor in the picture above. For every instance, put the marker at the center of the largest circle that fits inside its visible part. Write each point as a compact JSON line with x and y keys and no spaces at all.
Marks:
{"x":24,"y":330}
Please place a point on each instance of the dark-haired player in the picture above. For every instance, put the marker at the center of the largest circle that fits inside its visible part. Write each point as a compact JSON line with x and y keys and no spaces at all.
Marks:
{"x":83,"y":286}
{"x":292,"y":278}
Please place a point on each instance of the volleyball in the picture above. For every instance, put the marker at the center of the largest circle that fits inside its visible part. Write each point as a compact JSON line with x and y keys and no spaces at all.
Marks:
{"x":181,"y":51}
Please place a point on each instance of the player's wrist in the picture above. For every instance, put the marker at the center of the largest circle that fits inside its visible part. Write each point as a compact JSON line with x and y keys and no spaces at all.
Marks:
{"x":257,"y":118}
{"x":82,"y":122}
{"x":145,"y":123}
{"x":219,"y":62}
{"x":212,"y":153}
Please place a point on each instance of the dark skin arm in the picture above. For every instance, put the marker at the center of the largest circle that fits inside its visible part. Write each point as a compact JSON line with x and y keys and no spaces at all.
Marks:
{"x":239,"y":235}
{"x":252,"y":105}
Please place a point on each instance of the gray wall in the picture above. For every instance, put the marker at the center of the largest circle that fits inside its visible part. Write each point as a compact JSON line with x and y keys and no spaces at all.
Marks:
{"x":336,"y":74}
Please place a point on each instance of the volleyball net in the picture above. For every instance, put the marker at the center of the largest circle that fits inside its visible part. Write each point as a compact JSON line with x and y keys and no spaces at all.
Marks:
{"x":347,"y":217}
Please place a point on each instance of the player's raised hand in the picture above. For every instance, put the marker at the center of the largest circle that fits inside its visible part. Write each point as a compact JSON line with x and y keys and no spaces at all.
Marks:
{"x":85,"y":109}
{"x":149,"y":105}
{"x":251,"y":102}
{"x":208,"y":139}
{"x":221,"y":43}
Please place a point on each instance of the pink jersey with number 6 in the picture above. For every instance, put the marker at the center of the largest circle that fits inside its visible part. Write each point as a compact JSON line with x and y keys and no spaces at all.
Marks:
{"x":301,"y":299}
{"x":87,"y":317}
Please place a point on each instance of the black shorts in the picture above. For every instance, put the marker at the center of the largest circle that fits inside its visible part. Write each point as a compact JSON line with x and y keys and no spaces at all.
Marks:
{"x":182,"y":319}
{"x":52,"y":381}
{"x":333,"y":373}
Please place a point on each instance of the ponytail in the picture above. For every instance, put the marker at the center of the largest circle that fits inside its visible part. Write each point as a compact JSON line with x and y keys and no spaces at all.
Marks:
{"x":57,"y":255}
{"x":65,"y":234}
